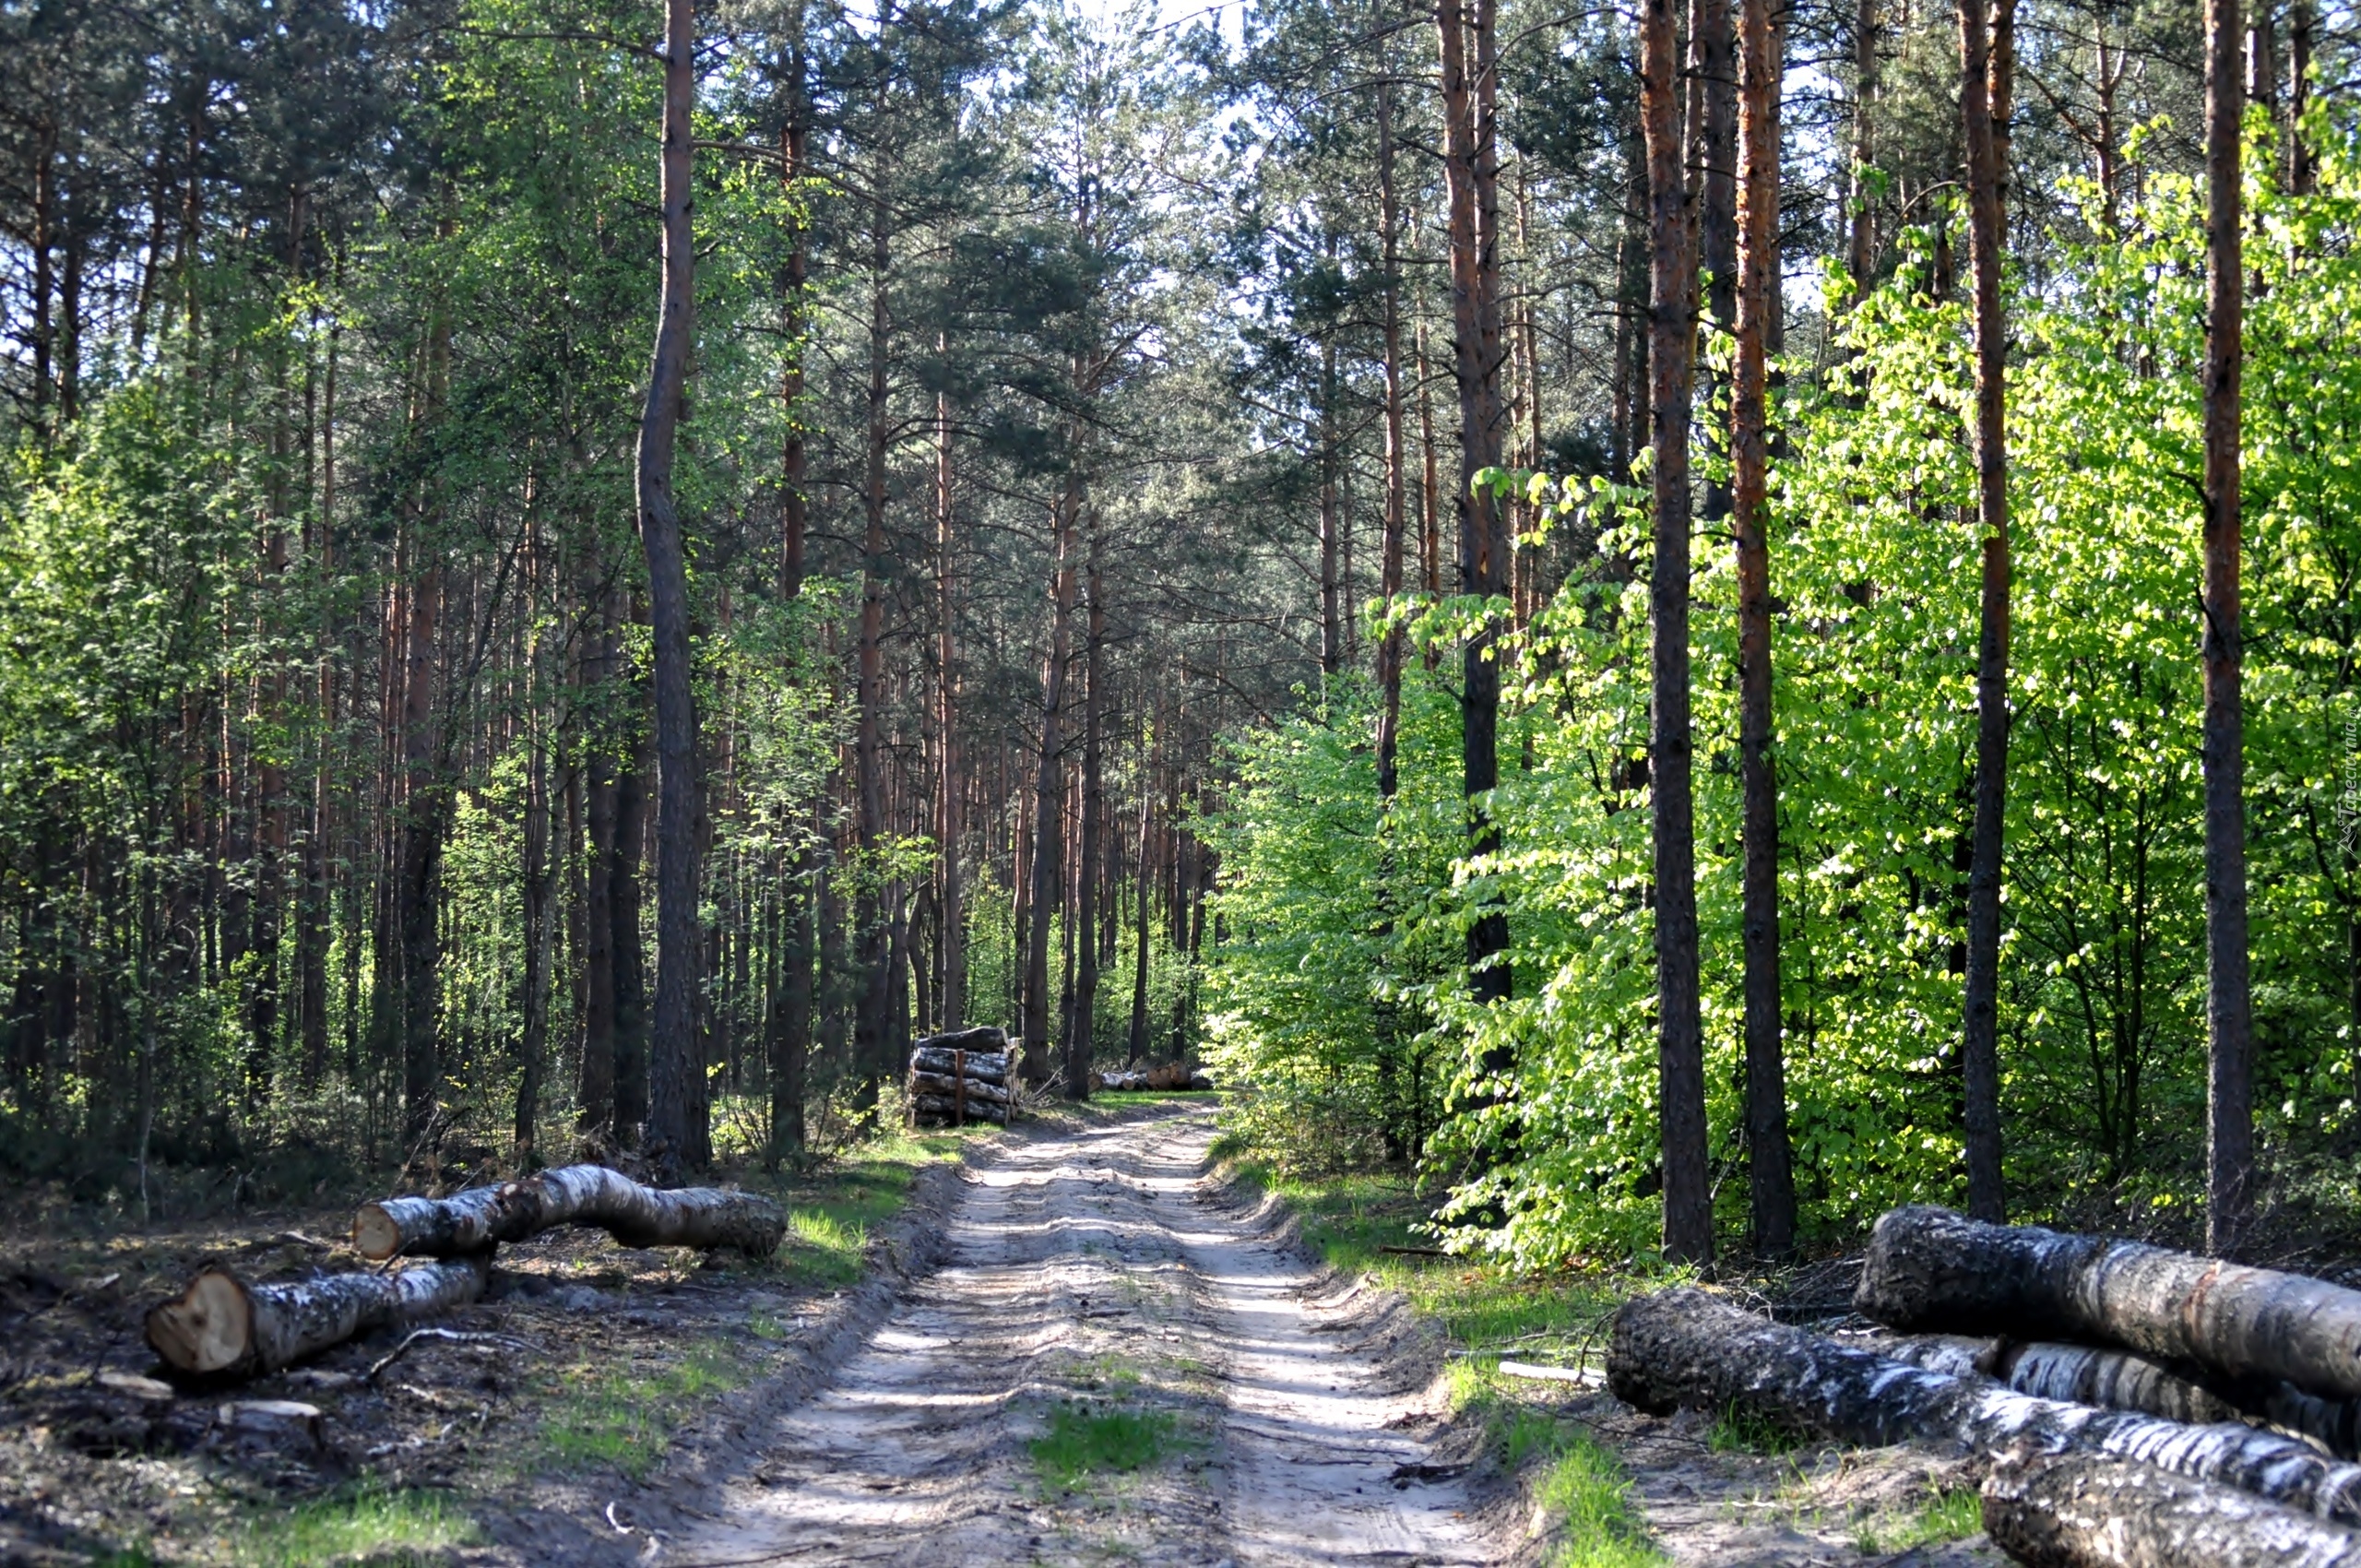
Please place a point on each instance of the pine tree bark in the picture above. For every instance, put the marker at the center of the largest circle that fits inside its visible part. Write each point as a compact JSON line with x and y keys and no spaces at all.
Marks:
{"x":1467,"y":38}
{"x":595,"y":1088}
{"x":871,"y":938}
{"x":950,"y":1006}
{"x":1980,"y":1052}
{"x":1860,"y":240}
{"x":1389,"y":559}
{"x":671,"y":1046}
{"x":1688,"y":1206}
{"x":1771,"y":1178}
{"x":1085,"y":1025}
{"x":1048,"y":792}
{"x":2229,"y":1043}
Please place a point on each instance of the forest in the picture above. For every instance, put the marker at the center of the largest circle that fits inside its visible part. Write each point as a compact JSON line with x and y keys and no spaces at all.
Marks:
{"x":1685,"y":621}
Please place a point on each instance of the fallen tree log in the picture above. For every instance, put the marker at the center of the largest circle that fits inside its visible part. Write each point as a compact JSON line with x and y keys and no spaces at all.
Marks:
{"x":1929,"y":1268}
{"x":1685,"y":1347}
{"x":983,"y":1040}
{"x":990,"y":1069}
{"x":2080,"y":1511}
{"x":944,"y":1107}
{"x":223,"y":1324}
{"x":2119,"y":1379}
{"x":949,"y":1087}
{"x":574,"y":1194}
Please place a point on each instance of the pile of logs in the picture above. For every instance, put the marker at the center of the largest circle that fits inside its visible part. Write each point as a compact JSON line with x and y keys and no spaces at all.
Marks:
{"x":2141,"y":1406}
{"x":966,"y":1075}
{"x":226,"y":1326}
{"x":1167,"y":1076}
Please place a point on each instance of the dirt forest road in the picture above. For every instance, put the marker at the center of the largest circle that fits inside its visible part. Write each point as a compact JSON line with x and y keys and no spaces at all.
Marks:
{"x":1098,"y":1289}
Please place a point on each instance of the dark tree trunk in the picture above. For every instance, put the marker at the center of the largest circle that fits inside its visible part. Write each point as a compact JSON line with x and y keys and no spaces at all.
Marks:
{"x":1688,"y":1204}
{"x":1389,"y":583}
{"x":1860,"y":241}
{"x":1466,"y":35}
{"x":627,"y":946}
{"x":2229,"y":1023}
{"x":671,"y":1047}
{"x":540,"y":928}
{"x":871,"y":1052}
{"x":1079,"y":1040}
{"x":1980,"y":1047}
{"x":1048,"y":790}
{"x":424,"y":820}
{"x":1772,"y":1182}
{"x":600,"y":812}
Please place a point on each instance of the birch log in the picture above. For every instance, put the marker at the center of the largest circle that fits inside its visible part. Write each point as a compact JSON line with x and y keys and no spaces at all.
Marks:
{"x":1685,"y":1348}
{"x":2082,"y":1510}
{"x":223,"y":1324}
{"x":1929,"y":1268}
{"x":2121,"y":1381}
{"x":991,"y":1068}
{"x":943,"y":1105}
{"x":574,"y":1194}
{"x":943,"y":1084}
{"x":975,"y":1042}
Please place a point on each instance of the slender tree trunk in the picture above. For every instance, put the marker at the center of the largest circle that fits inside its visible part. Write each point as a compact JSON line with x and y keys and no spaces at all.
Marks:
{"x":1137,"y":1041}
{"x":870,"y":1043}
{"x":421,"y":860}
{"x":1713,"y":157}
{"x":1980,"y":1035}
{"x":792,"y":136}
{"x":671,"y":1047}
{"x":628,"y":945}
{"x":1389,"y":586}
{"x":1861,"y":241}
{"x":1047,"y":790}
{"x":952,"y":1004}
{"x":539,"y":929}
{"x":1080,"y":1040}
{"x":596,"y":1087}
{"x":1772,"y":1182}
{"x":2229,"y":1188}
{"x":1688,"y":1204}
{"x":2302,"y":166}
{"x":1467,"y":36}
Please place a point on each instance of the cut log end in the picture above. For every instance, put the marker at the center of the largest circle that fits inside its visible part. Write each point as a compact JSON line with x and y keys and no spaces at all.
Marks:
{"x":376,"y":1235}
{"x":208,"y":1328}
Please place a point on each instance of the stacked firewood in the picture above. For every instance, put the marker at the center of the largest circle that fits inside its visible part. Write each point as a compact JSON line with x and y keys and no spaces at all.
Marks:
{"x":225,"y":1325}
{"x":965,"y":1076}
{"x":2140,"y":1407}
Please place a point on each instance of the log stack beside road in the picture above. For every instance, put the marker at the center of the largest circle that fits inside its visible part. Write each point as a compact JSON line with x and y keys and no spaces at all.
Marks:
{"x":961,"y":1076}
{"x":2144,"y":1407}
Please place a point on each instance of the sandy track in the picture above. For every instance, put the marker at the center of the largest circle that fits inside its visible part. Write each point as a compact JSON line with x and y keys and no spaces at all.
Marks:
{"x":1102,"y":1268}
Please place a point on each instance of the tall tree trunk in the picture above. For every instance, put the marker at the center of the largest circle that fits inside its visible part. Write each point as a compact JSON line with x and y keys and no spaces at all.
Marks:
{"x":1047,"y":789}
{"x":627,"y":943}
{"x":1979,"y":1053}
{"x":1465,"y":31}
{"x":1713,"y":157}
{"x":1089,"y":871}
{"x":2302,"y":166}
{"x":2229,"y":1187}
{"x":424,"y":815}
{"x":1389,"y":647}
{"x":1136,"y":1044}
{"x":870,"y":1043}
{"x":1688,"y":1204}
{"x":792,"y":136}
{"x":596,"y":1086}
{"x":1332,"y":619}
{"x":1861,"y":251}
{"x":1771,"y":1180}
{"x":539,"y":927}
{"x":671,"y":1046}
{"x":950,"y":1006}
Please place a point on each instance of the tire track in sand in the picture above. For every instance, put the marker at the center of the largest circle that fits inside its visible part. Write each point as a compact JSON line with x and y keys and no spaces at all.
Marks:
{"x":1102,"y":1268}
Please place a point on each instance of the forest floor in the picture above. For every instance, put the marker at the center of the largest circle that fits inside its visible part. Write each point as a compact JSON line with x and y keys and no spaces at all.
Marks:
{"x":1084,"y":1343}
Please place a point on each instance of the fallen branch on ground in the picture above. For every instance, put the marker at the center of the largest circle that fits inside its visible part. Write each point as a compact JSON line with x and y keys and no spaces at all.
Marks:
{"x":575,"y":1195}
{"x":448,"y":1336}
{"x":1685,"y":1348}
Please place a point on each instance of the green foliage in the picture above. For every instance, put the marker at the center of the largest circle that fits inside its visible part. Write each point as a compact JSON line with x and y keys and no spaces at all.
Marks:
{"x":1875,"y":562}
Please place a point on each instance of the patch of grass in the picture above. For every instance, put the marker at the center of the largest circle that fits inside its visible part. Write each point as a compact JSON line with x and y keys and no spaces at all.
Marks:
{"x":1084,"y":1440}
{"x":377,"y":1527}
{"x":1588,"y":1500}
{"x":623,"y":1417}
{"x":1741,"y":1430}
{"x":1944,"y":1516}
